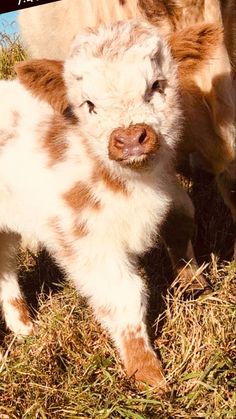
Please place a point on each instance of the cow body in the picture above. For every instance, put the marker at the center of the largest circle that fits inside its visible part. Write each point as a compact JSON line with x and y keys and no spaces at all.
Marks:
{"x":93,"y":181}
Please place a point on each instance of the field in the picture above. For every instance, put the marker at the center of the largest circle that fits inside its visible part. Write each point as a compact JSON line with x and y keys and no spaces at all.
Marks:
{"x":70,"y":369}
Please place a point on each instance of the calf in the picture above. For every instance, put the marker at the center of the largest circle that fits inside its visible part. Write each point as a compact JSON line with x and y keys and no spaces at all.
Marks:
{"x":87,"y":169}
{"x":209,"y":94}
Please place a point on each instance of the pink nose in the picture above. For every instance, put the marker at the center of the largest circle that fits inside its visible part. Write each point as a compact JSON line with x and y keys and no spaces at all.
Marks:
{"x":128,"y":138}
{"x":132,"y":142}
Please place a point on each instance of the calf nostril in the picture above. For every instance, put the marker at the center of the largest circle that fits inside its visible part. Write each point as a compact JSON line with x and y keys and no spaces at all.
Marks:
{"x":119,"y":141}
{"x":142,"y":136}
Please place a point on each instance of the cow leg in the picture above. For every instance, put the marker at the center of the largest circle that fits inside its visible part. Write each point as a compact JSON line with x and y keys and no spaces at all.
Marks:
{"x":227,"y":185}
{"x":14,"y":310}
{"x":178,"y":233}
{"x":119,"y":298}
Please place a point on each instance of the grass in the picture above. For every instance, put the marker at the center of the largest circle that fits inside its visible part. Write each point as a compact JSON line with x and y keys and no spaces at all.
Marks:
{"x":11,"y":52}
{"x":70,"y":369}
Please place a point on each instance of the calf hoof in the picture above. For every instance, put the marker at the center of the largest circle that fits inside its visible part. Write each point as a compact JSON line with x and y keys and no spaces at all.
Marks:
{"x":17,"y":317}
{"x":148,"y":370}
{"x":191,"y":281}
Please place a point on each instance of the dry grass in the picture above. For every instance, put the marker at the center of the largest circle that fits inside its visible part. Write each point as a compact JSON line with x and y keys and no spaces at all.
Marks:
{"x":11,"y":52}
{"x":70,"y":369}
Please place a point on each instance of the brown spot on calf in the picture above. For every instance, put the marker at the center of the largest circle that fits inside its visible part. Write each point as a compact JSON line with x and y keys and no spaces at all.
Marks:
{"x":192,"y":47}
{"x":141,"y":362}
{"x":54,"y":140}
{"x":20,"y":305}
{"x":80,"y":197}
{"x":64,"y":240}
{"x":80,"y":230}
{"x":44,"y":79}
{"x":101,"y":174}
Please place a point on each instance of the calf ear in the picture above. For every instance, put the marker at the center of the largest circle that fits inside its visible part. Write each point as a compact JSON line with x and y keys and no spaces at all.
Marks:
{"x":44,"y":79}
{"x":193,"y":46}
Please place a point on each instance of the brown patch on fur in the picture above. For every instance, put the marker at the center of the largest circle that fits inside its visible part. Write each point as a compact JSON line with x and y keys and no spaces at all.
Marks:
{"x":5,"y":136}
{"x":101,"y":174}
{"x":122,"y":2}
{"x":80,"y":230}
{"x":20,"y":305}
{"x":80,"y":197}
{"x":54,"y":140}
{"x":44,"y":80}
{"x":192,"y":47}
{"x":63,"y":240}
{"x":141,"y":362}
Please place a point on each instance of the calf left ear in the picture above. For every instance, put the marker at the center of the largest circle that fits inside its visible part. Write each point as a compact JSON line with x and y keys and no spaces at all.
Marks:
{"x":44,"y":79}
{"x":193,"y":46}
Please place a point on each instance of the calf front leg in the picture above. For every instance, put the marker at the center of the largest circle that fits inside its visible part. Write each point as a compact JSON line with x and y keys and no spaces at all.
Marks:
{"x":177,"y":233}
{"x":226,"y":182}
{"x":14,"y":309}
{"x":119,"y":298}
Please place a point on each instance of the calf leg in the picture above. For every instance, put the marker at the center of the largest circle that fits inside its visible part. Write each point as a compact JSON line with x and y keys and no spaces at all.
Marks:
{"x":227,"y":185}
{"x":119,"y":299}
{"x":14,"y":309}
{"x":177,"y":233}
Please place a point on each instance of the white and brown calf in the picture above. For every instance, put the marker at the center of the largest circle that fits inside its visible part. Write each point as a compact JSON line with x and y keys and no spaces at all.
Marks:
{"x":86,"y":169}
{"x":208,"y":94}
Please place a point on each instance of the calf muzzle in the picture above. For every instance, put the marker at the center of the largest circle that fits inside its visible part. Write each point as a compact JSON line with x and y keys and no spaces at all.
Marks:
{"x":134,"y":143}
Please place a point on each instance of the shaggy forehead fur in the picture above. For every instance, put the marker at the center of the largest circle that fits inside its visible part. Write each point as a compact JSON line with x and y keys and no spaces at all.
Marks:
{"x":125,"y":42}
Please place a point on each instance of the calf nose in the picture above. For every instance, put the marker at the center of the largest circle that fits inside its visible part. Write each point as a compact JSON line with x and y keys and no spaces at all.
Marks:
{"x":130,"y":137}
{"x":135,"y":141}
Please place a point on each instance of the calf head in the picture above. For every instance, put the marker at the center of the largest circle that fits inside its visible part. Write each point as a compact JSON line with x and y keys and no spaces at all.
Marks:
{"x":121,"y":83}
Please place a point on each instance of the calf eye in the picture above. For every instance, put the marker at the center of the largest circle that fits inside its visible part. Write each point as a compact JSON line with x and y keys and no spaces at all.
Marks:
{"x":156,"y":86}
{"x":91,"y":106}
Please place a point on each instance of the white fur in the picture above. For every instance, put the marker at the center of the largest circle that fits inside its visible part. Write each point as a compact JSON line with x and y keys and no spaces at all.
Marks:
{"x":102,"y":264}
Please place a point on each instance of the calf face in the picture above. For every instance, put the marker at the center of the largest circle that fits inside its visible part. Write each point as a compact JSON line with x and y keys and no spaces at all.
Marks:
{"x":123,"y":93}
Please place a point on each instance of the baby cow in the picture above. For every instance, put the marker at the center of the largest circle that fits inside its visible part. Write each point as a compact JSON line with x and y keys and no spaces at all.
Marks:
{"x":93,"y":181}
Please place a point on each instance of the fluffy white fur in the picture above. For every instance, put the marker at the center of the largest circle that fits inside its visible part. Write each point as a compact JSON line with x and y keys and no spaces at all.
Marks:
{"x":102,"y":262}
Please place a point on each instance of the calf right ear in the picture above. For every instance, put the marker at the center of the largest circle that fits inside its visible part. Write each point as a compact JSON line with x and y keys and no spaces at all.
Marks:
{"x":193,"y":46}
{"x":44,"y":79}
